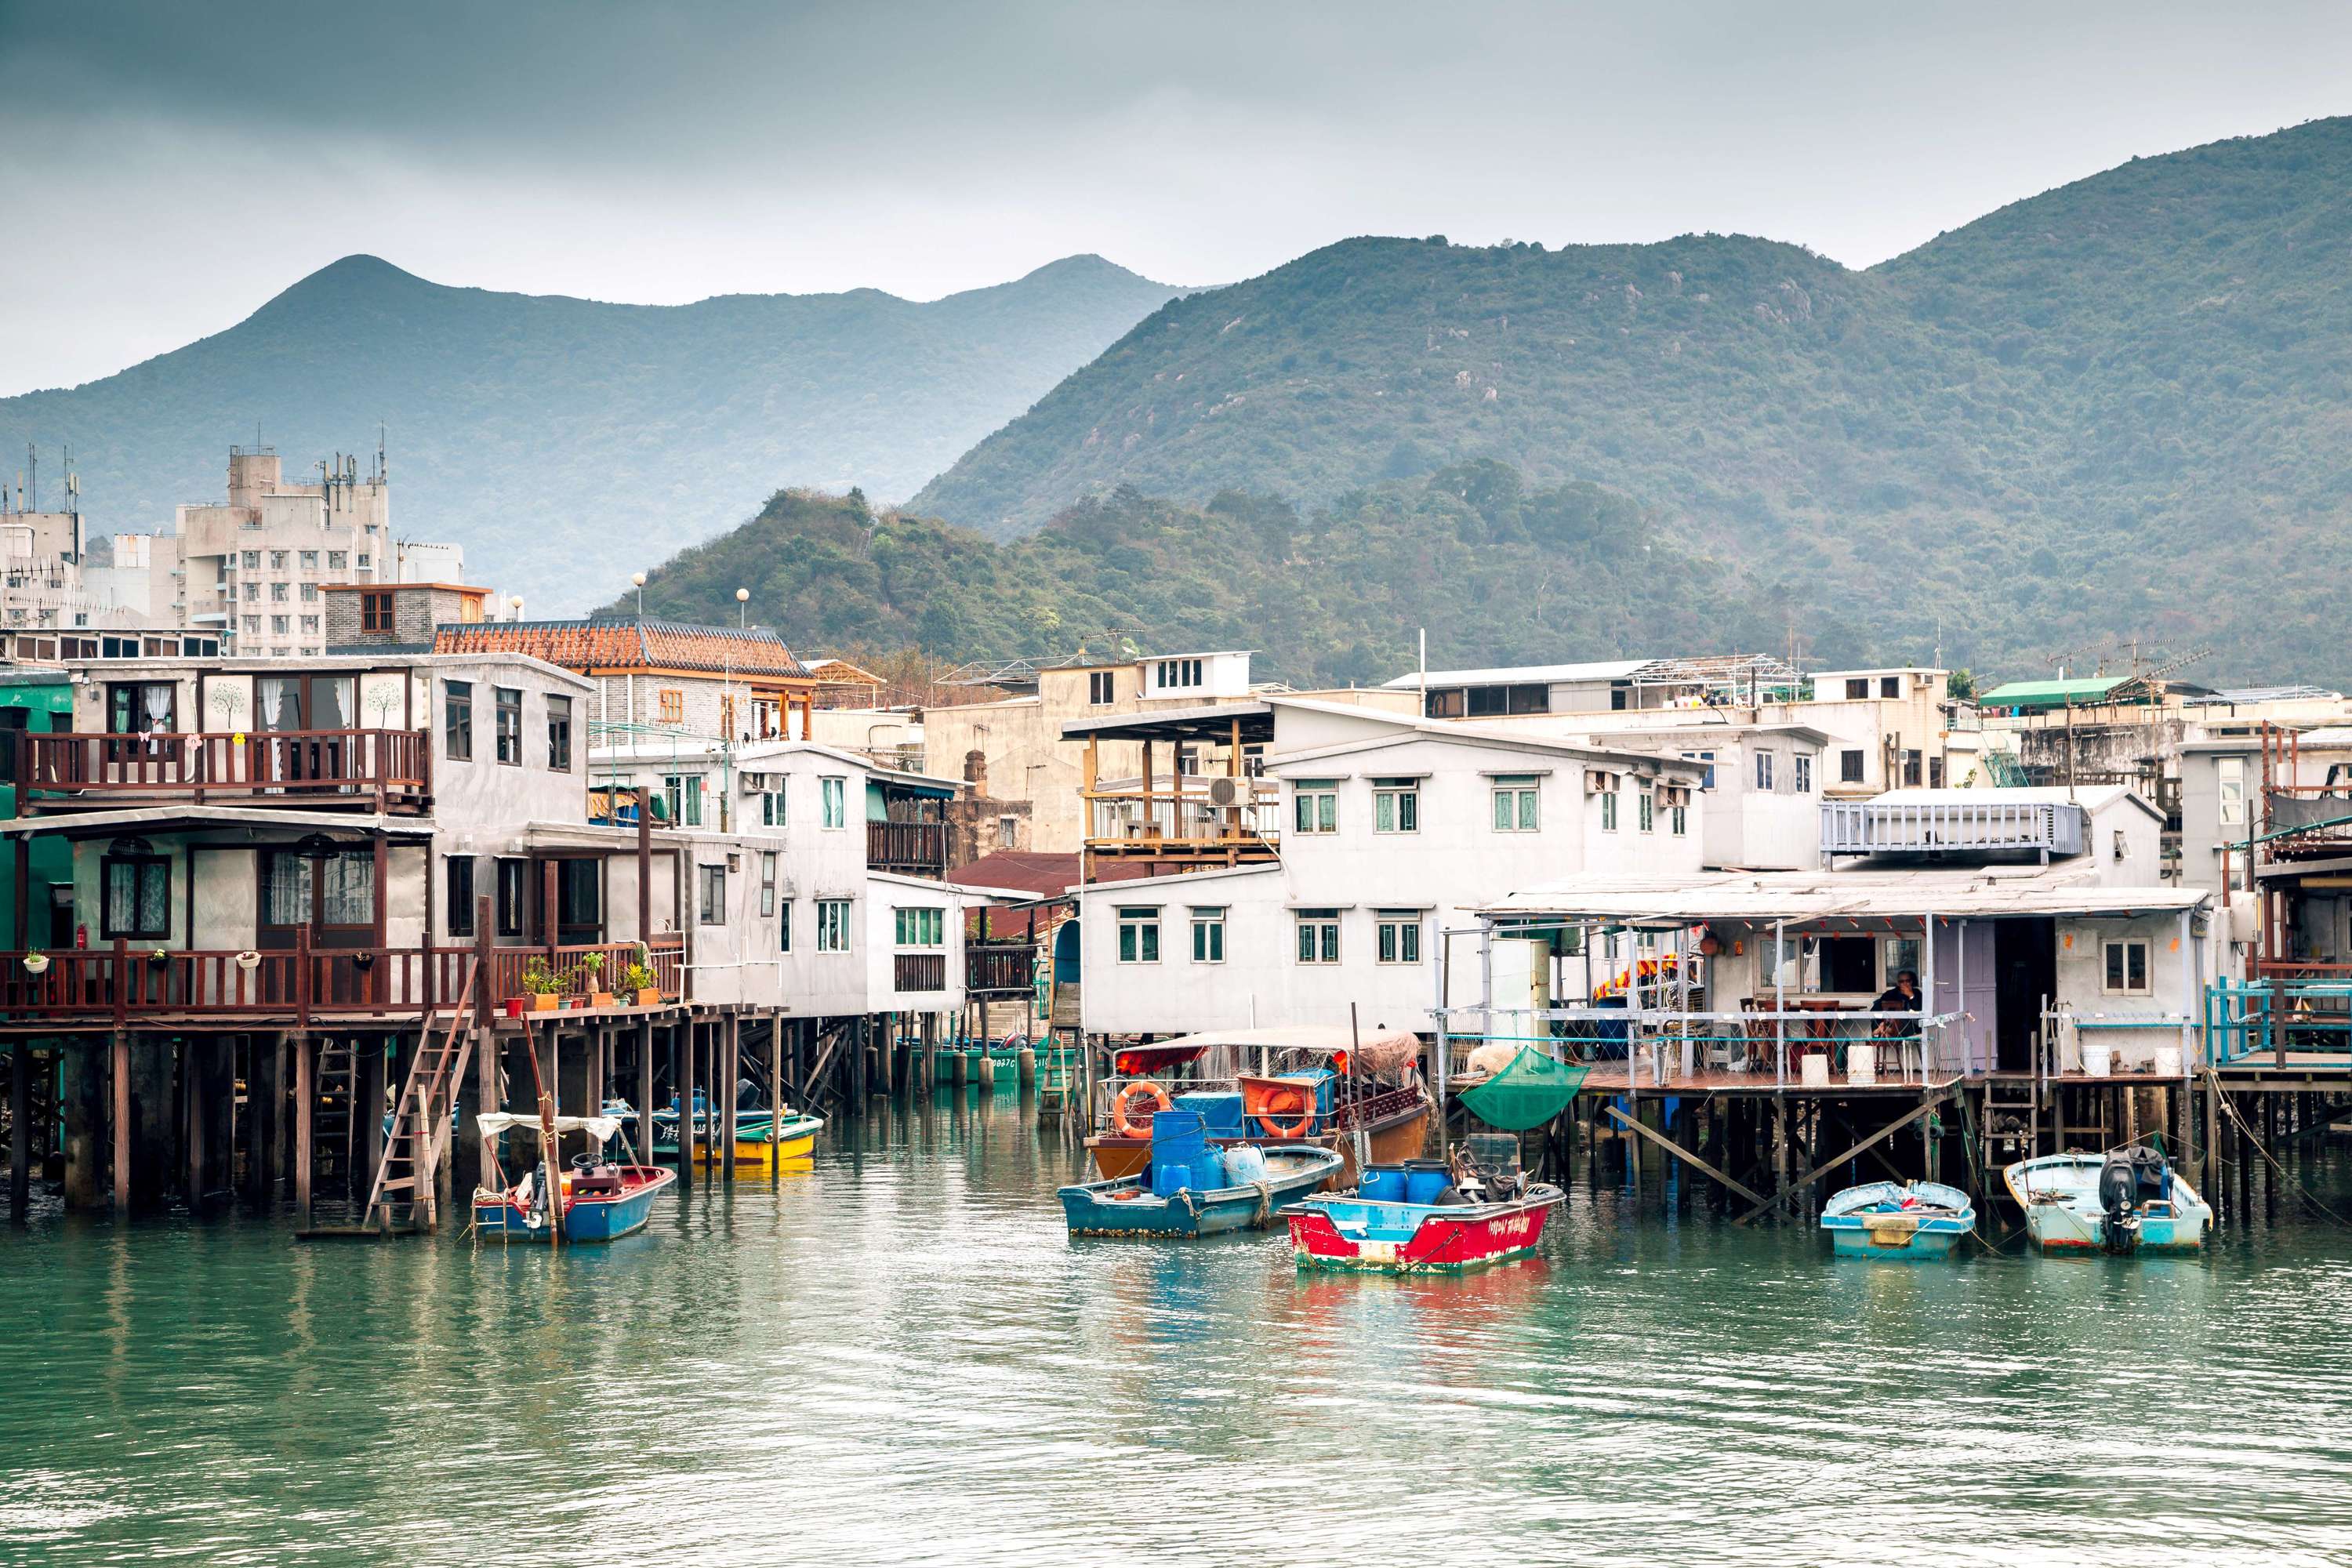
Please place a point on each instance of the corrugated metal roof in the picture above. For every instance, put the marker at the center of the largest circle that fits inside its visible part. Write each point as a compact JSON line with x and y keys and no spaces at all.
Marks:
{"x":2049,"y":693}
{"x":1980,"y":891}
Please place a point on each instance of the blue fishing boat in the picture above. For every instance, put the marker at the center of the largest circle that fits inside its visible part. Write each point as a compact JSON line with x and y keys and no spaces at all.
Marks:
{"x":2124,"y":1202}
{"x":1250,"y":1184}
{"x":595,"y":1200}
{"x":1900,"y":1221}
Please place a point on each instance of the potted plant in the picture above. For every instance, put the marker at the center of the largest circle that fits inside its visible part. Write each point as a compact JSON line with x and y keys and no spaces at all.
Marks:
{"x":592,"y":966}
{"x":159,"y":955}
{"x":639,"y":980}
{"x":37,"y":962}
{"x":542,"y":984}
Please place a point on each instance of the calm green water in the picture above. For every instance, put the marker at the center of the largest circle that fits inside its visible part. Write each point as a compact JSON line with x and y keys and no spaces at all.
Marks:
{"x":899,"y":1357}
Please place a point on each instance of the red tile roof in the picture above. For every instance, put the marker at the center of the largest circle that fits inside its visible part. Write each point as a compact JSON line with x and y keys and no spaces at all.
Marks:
{"x":628,"y":645}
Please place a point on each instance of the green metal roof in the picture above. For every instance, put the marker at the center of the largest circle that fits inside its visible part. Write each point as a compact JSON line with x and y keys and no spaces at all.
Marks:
{"x":2050,"y":693}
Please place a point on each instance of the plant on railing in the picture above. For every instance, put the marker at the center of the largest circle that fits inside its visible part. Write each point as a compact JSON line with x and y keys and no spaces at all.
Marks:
{"x":638,"y":980}
{"x":159,"y":955}
{"x":590,"y":973}
{"x":540,"y":982}
{"x":36,"y":963}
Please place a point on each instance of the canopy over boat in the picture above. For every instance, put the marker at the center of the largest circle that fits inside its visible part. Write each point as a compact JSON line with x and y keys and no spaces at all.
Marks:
{"x":491,"y":1123}
{"x":1375,"y":1050}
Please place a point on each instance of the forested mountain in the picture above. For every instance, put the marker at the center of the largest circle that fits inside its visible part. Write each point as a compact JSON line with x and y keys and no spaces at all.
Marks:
{"x":1495,"y":569}
{"x":2116,"y":410}
{"x":564,"y":442}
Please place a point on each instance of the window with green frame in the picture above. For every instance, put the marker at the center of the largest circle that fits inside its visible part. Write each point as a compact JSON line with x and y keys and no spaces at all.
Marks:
{"x":1138,"y":935}
{"x":1208,"y":935}
{"x":1314,"y":805}
{"x":1396,"y":805}
{"x":920,"y":928}
{"x":1515,"y":804}
{"x":1318,"y":936}
{"x":1399,"y":936}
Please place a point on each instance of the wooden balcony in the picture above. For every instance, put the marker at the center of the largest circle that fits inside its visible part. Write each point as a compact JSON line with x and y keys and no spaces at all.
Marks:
{"x":919,"y":971}
{"x":1183,"y":828}
{"x":999,"y":969}
{"x":130,"y":988}
{"x":910,"y":848}
{"x":375,"y":770}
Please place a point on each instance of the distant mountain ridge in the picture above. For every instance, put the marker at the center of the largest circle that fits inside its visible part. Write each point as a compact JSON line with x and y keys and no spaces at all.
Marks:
{"x":568,"y":441}
{"x":2116,"y":410}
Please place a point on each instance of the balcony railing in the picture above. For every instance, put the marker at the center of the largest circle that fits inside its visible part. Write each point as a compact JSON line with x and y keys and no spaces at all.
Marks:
{"x":920,"y":848}
{"x":128,"y":984}
{"x":1186,"y":823}
{"x":1001,"y":968}
{"x":919,"y":971}
{"x":387,"y":766}
{"x":1892,"y":828}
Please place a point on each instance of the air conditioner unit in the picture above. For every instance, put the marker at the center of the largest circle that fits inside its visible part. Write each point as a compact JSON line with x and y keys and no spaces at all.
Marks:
{"x":1226,"y":791}
{"x":754,"y":783}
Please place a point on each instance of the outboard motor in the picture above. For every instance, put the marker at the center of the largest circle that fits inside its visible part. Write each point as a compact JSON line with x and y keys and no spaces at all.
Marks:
{"x":2129,"y":1181}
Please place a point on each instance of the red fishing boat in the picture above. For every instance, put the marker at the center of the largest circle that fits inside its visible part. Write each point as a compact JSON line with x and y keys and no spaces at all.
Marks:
{"x":1425,"y":1217}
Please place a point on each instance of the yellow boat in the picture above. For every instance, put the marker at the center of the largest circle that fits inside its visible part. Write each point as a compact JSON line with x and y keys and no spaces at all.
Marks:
{"x":760,"y":1143}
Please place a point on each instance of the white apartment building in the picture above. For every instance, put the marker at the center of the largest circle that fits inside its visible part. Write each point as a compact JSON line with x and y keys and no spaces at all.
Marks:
{"x":1390,"y":829}
{"x":253,"y":566}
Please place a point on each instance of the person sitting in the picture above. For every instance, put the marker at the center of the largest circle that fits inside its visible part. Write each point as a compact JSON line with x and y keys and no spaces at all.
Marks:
{"x":1902,"y":997}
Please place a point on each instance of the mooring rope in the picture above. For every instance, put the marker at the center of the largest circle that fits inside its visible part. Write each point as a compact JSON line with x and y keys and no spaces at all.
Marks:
{"x":2213,"y":1085}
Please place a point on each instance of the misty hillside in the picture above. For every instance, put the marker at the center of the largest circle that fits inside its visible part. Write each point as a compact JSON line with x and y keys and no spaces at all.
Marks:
{"x":2115,"y":409}
{"x":566,"y":443}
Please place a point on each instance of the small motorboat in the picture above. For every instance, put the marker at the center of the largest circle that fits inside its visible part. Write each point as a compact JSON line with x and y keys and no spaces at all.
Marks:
{"x":760,"y":1140}
{"x":1257,"y":1183}
{"x":1431,"y":1216}
{"x":2124,"y":1202}
{"x":1898,"y":1220}
{"x":595,"y":1200}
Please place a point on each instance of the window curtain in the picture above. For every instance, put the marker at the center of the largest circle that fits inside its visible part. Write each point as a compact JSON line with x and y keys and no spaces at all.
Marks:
{"x":349,"y":889}
{"x":285,"y":890}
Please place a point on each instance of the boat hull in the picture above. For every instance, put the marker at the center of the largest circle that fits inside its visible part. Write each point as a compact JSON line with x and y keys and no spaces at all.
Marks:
{"x":754,"y":1145}
{"x":1346,"y":1233}
{"x":1911,"y":1221}
{"x":1926,"y":1241}
{"x":1120,"y":1209}
{"x":585,"y":1220}
{"x":2059,"y":1193}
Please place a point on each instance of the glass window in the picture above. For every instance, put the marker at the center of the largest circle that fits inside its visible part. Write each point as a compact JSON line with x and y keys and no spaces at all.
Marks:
{"x":919,"y":928}
{"x":138,"y":896}
{"x":141,"y":707}
{"x":309,"y":591}
{"x":510,"y":724}
{"x":1138,"y":936}
{"x":1102,"y":689}
{"x":1911,"y":767}
{"x":280,"y":625}
{"x":277,"y":560}
{"x":457,"y":720}
{"x":771,"y":805}
{"x":285,"y":890}
{"x":458,"y":871}
{"x":277,"y":593}
{"x":832,"y":925}
{"x":2231,"y":776}
{"x":1608,"y":811}
{"x":1850,"y":766}
{"x":1314,"y":806}
{"x":513,"y":892}
{"x":832,"y":796}
{"x":252,"y":560}
{"x":336,"y":560}
{"x":1396,"y":805}
{"x":559,"y":735}
{"x":1399,"y":935}
{"x":376,"y":612}
{"x":1646,"y":811}
{"x":784,"y":927}
{"x":1208,"y":935}
{"x":310,"y":623}
{"x":767,"y":883}
{"x":310,"y":561}
{"x":1857,"y":687}
{"x":1678,"y":820}
{"x":1803,"y":762}
{"x":1516,"y":806}
{"x":682,"y":792}
{"x":2126,"y":965}
{"x":673,"y":705}
{"x":712,"y":905}
{"x":253,"y":591}
{"x":1764,"y":772}
{"x":1706,"y":779}
{"x":347,"y":890}
{"x":1318,"y":936}
{"x":1890,"y":686}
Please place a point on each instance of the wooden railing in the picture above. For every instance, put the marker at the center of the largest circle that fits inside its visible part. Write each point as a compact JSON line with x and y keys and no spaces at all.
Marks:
{"x":388,"y":764}
{"x":125,"y":984}
{"x":907,"y":847}
{"x":999,"y":966}
{"x":919,"y":971}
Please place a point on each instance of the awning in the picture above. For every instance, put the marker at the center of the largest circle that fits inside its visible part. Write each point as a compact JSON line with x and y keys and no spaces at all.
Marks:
{"x":1380,"y":1051}
{"x":492,"y":1123}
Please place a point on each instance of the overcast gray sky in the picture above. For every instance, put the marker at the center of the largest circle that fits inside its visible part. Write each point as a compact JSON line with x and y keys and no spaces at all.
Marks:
{"x":167,"y":165}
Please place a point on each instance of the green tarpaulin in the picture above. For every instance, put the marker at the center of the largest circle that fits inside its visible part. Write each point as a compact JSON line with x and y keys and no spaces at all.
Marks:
{"x":1528,"y":1093}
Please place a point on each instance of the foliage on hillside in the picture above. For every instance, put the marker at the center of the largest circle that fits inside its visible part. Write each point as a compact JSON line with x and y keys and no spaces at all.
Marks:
{"x":1494,"y":570}
{"x":2117,"y":410}
{"x":566,"y":443}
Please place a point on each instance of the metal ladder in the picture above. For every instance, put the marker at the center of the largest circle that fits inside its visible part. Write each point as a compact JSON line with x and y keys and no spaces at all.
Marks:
{"x":333,"y":1125}
{"x":418,"y":1141}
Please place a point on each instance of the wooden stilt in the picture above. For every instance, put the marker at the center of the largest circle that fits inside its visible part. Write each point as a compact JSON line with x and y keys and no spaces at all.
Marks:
{"x":687,"y":1034}
{"x":642,"y":1134}
{"x":119,"y":1065}
{"x":20,"y":1130}
{"x":731,"y":1046}
{"x":305,"y":1102}
{"x":775,"y":1089}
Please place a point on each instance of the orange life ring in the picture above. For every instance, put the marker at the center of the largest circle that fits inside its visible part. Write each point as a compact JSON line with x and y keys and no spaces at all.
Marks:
{"x":1118,"y":1121}
{"x":1283,"y":1100}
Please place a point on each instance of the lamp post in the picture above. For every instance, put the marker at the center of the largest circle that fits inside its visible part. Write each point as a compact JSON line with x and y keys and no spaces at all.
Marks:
{"x":742,"y":608}
{"x":639,"y":579}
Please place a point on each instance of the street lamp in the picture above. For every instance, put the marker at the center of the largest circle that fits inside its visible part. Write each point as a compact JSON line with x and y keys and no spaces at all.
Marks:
{"x":639,"y":579}
{"x":742,"y":612}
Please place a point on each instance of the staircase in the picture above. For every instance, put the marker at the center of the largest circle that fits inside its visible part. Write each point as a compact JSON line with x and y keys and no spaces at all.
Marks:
{"x":2011,"y":1128}
{"x":331,"y":1116}
{"x":402,"y":1198}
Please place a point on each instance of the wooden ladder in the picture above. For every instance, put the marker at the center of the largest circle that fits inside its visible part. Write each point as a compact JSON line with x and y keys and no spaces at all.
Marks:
{"x":2015,"y":1121}
{"x":418,"y":1140}
{"x":331,"y":1126}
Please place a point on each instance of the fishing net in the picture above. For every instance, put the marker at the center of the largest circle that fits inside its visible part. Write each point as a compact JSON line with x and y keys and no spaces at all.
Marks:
{"x":1527,"y":1093}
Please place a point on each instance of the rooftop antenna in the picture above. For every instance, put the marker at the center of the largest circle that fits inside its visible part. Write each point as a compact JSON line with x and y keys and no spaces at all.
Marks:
{"x":33,"y":469}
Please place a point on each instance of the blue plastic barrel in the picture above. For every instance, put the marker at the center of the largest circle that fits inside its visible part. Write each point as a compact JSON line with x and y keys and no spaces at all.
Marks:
{"x":1383,"y":1185}
{"x":1424,"y":1179}
{"x":1167,"y":1180}
{"x":1208,"y":1172}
